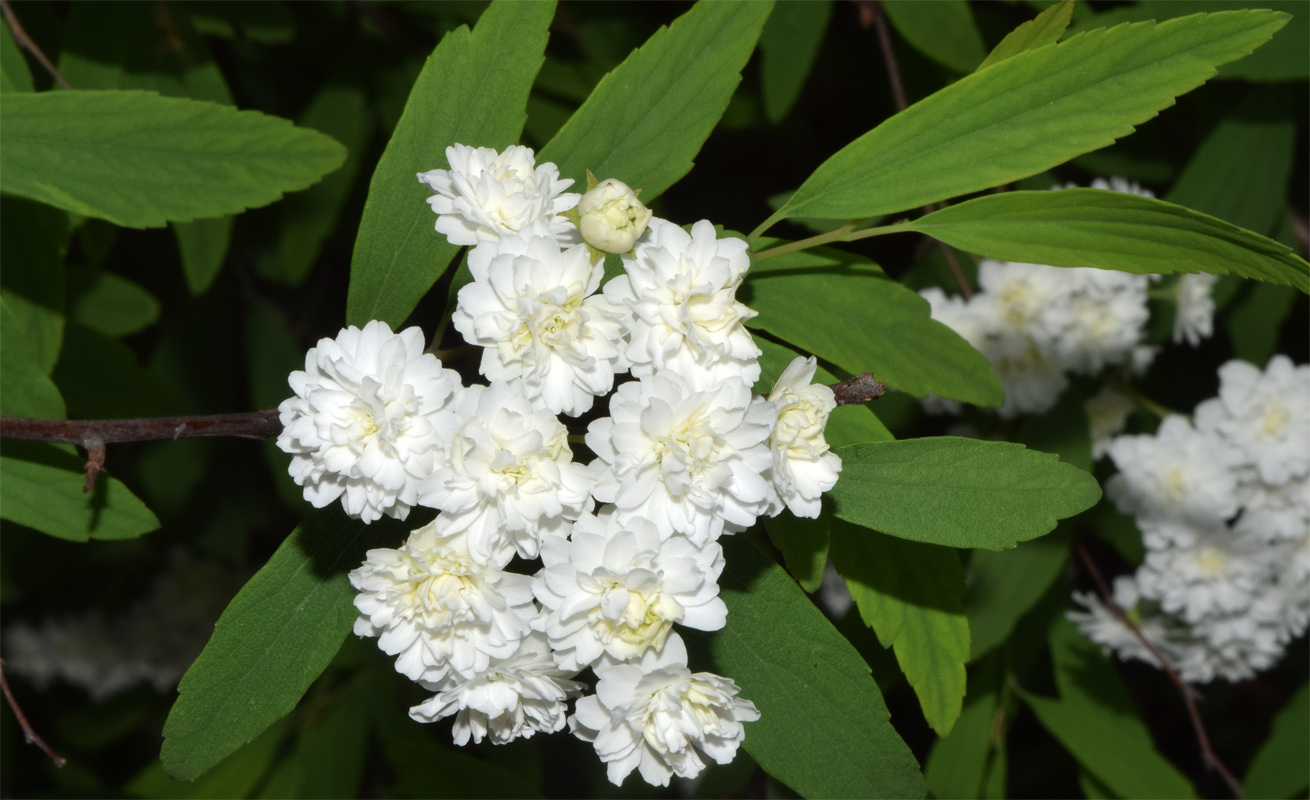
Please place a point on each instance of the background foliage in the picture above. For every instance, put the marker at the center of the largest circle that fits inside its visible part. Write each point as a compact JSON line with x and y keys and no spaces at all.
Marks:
{"x":102,"y":315}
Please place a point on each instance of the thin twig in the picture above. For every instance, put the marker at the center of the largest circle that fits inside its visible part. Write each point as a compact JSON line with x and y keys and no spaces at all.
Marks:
{"x":858,"y":390}
{"x":1190,"y":694}
{"x":93,"y":435}
{"x":24,"y":41}
{"x":28,"y":734}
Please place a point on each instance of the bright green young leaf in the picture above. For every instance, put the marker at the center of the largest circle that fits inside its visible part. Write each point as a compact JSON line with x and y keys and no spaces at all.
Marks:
{"x":957,"y":763}
{"x":167,"y":158}
{"x":306,"y":219}
{"x":823,"y":727}
{"x":236,"y":776}
{"x":273,"y":640}
{"x":1046,"y":28}
{"x":1280,"y":767}
{"x":943,"y":31}
{"x":14,"y":74}
{"x":1026,"y":114}
{"x":41,"y":487}
{"x":647,"y":120}
{"x":1283,"y":59}
{"x":911,"y":594}
{"x":803,"y":544}
{"x":25,"y":389}
{"x":959,"y":492}
{"x":1096,"y":721}
{"x":109,"y":303}
{"x":1110,"y":230}
{"x":473,"y":90}
{"x":1251,"y":191}
{"x":788,"y":45}
{"x":33,"y":243}
{"x":1005,"y":585}
{"x":852,"y":316}
{"x":203,"y":244}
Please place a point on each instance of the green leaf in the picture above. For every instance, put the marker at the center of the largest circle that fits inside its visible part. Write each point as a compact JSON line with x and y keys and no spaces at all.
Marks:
{"x":912,"y":596}
{"x":1097,"y":723}
{"x":14,"y":74}
{"x":1255,"y":321}
{"x":41,"y":487}
{"x":959,"y":492}
{"x":268,"y":22}
{"x":1051,"y":432}
{"x":853,"y":424}
{"x":851,"y":315}
{"x":1110,"y":230}
{"x":823,"y":727}
{"x":647,"y":120}
{"x":25,"y":390}
{"x":33,"y":242}
{"x":788,"y":45}
{"x":943,"y":31}
{"x":473,"y":90}
{"x":273,"y":640}
{"x":203,"y":244}
{"x":957,"y":763}
{"x":1280,"y":768}
{"x":803,"y":544}
{"x":108,"y":302}
{"x":1251,"y":191}
{"x":1027,"y":114}
{"x":306,"y":219}
{"x":236,"y":776}
{"x":334,"y":749}
{"x":1003,"y":586}
{"x":166,"y":158}
{"x":1046,"y":28}
{"x":100,"y":378}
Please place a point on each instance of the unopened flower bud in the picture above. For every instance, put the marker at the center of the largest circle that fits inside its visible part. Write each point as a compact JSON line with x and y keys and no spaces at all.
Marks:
{"x":611,"y":217}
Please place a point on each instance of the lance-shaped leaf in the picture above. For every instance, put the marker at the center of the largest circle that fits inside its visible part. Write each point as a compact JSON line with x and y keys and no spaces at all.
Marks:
{"x":788,"y":45}
{"x":959,"y":492}
{"x":140,"y":160}
{"x":957,"y":764}
{"x":1111,"y":230}
{"x":1279,"y":768}
{"x":1003,"y":586}
{"x":473,"y":90}
{"x":823,"y":729}
{"x":1046,"y":28}
{"x":912,"y":595}
{"x":646,"y":120}
{"x":943,"y":31}
{"x":844,"y":310}
{"x":1027,"y":114}
{"x":274,"y":639}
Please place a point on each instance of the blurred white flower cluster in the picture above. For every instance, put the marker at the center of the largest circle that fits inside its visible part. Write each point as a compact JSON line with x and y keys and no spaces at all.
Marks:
{"x":153,"y":643}
{"x":1036,"y":323}
{"x":1223,"y":503}
{"x":686,"y":454}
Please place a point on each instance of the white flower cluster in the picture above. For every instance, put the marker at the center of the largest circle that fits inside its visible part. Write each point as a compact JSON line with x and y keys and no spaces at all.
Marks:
{"x":153,"y":643}
{"x":1223,"y":503}
{"x":1036,"y":323}
{"x":687,"y":454}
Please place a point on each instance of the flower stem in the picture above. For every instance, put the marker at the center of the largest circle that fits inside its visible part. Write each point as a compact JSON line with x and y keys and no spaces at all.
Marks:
{"x":1157,"y":410}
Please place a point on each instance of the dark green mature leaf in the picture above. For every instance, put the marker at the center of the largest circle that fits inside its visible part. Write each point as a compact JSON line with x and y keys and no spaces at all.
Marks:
{"x":41,"y":487}
{"x":943,"y":31}
{"x":1027,"y":114}
{"x":823,"y":727}
{"x":273,"y":640}
{"x":1003,"y":586}
{"x":25,"y":390}
{"x":473,"y":90}
{"x":803,"y":544}
{"x":1251,"y":191}
{"x":957,"y":763}
{"x":203,"y":244}
{"x":306,"y":219}
{"x":1283,"y":59}
{"x":100,"y":379}
{"x":166,"y":158}
{"x":236,"y":776}
{"x":14,"y":74}
{"x":1098,"y":724}
{"x":1255,"y":321}
{"x":647,"y":120}
{"x":788,"y":45}
{"x":1110,"y":230}
{"x":33,"y":242}
{"x":912,"y":595}
{"x":959,"y":492}
{"x":109,"y":303}
{"x":1280,"y":768}
{"x":850,"y":315}
{"x":1045,"y":29}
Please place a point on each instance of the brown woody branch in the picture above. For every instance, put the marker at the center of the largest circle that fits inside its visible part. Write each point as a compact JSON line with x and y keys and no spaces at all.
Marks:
{"x":24,"y":41}
{"x":28,"y":734}
{"x":1188,"y":692}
